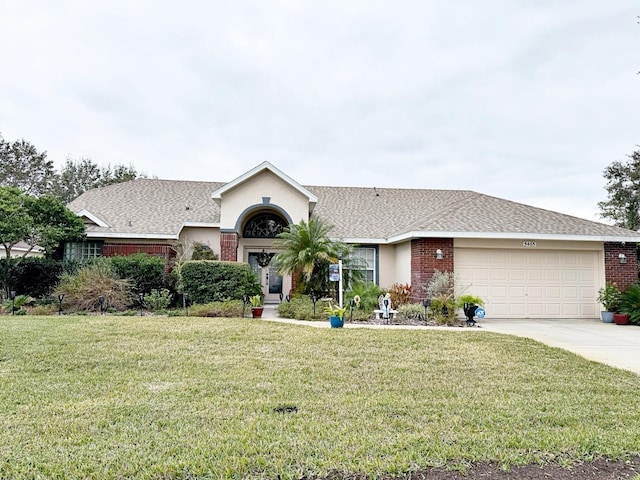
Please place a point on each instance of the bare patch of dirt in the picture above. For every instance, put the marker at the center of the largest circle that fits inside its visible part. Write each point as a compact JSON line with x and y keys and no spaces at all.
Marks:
{"x":600,"y":469}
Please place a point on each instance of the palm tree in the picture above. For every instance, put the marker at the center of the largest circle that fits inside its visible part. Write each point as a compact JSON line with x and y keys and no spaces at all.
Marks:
{"x":307,"y":250}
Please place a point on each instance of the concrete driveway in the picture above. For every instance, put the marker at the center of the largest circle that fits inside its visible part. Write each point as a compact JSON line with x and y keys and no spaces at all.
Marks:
{"x":615,"y":345}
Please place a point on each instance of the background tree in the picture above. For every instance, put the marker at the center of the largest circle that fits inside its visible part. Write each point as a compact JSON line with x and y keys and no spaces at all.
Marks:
{"x":43,"y":221}
{"x":78,"y":176}
{"x":623,"y":191}
{"x":23,"y":167}
{"x":308,"y":251}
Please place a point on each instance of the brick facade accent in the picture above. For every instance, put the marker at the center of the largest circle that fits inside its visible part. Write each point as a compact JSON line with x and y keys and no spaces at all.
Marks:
{"x":229,"y":246}
{"x":424,"y":262}
{"x":623,"y":274}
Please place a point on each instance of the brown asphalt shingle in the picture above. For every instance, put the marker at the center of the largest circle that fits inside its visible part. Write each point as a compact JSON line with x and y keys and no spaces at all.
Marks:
{"x":161,"y":207}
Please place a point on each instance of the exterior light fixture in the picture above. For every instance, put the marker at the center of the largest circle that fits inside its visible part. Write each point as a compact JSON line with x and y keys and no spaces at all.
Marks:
{"x":622,"y":257}
{"x":439,"y":254}
{"x":185,"y":302}
{"x":141,"y":298}
{"x":12,"y":294}
{"x":60,"y":298}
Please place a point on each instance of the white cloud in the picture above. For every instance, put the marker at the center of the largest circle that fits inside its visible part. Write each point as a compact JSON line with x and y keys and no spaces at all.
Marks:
{"x":527,"y":101}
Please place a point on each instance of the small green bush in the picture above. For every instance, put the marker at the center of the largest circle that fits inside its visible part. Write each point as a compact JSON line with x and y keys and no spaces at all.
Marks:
{"x":411,"y":311}
{"x":158,"y":299}
{"x":301,"y":308}
{"x":203,"y":252}
{"x":210,"y":281}
{"x":368,"y":293}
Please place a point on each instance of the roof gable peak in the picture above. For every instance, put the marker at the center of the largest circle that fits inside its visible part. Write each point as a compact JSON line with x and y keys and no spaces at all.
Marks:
{"x":264,"y":166}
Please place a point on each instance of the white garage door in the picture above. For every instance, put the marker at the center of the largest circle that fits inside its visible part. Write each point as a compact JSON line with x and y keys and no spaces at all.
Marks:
{"x":531,"y":283}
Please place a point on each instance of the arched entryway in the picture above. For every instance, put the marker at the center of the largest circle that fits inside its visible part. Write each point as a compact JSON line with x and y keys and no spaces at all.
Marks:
{"x":258,"y":233}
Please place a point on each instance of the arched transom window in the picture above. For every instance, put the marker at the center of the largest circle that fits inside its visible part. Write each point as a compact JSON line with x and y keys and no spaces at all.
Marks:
{"x":263,"y":225}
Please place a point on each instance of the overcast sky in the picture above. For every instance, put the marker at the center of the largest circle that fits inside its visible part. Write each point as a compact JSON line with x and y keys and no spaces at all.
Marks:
{"x":527,"y":100}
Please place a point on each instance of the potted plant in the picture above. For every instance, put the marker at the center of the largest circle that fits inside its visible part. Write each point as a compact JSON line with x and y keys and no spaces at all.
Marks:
{"x":256,"y":306}
{"x":609,"y":297}
{"x":629,"y":306}
{"x":336,"y":315}
{"x":470,"y":304}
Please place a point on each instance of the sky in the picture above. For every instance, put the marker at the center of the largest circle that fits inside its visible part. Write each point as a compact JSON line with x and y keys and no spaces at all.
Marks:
{"x":527,"y":100}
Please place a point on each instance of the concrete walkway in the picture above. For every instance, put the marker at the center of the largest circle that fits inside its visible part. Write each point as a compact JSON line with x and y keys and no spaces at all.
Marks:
{"x":615,"y":345}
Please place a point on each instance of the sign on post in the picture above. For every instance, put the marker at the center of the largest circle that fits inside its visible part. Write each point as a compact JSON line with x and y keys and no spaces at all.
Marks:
{"x":334,"y":272}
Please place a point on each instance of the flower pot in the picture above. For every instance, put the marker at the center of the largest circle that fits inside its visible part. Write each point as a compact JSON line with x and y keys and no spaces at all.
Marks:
{"x":621,"y":318}
{"x":607,"y":317}
{"x":336,"y":322}
{"x":256,"y":312}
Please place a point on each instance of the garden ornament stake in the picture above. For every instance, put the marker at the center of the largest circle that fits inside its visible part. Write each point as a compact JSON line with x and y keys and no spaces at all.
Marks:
{"x":314,"y":299}
{"x":101,"y":302}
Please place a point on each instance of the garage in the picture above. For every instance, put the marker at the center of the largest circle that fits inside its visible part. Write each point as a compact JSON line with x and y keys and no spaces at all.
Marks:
{"x":532,"y":282}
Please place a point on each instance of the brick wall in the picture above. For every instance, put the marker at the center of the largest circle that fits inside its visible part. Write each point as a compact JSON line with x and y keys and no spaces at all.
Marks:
{"x":229,"y":247}
{"x":623,"y":274}
{"x":424,"y":262}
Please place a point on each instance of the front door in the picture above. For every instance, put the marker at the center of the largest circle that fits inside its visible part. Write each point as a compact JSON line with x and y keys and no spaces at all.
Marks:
{"x":269,"y":279}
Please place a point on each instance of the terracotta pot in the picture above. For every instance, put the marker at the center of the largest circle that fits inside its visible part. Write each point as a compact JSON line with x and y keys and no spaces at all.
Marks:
{"x":256,"y":312}
{"x":621,"y":318}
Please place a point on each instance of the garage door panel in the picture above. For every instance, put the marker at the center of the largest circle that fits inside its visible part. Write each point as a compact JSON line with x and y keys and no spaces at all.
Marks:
{"x":532,"y":283}
{"x":553,"y":292}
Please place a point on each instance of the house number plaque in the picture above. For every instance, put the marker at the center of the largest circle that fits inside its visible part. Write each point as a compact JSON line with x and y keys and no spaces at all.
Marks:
{"x":528,"y":243}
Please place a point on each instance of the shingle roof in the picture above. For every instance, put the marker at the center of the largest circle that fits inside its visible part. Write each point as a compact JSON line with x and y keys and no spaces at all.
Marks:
{"x":150,"y":207}
{"x":160,"y":208}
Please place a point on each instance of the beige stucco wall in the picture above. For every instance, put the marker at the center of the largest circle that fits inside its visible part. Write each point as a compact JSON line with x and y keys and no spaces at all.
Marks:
{"x":250,"y":193}
{"x":403,"y":262}
{"x":206,"y":235}
{"x":387,"y":265}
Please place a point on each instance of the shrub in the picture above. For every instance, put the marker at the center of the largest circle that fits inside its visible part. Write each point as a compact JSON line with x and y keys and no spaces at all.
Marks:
{"x":301,"y":308}
{"x":36,"y":277}
{"x":368,"y":293}
{"x":211,"y":281}
{"x":49,"y":309}
{"x":203,"y":252}
{"x":630,"y":303}
{"x":82,"y":290}
{"x":158,"y":299}
{"x":467,"y":298}
{"x":18,"y":304}
{"x":145,"y":271}
{"x":441,"y":291}
{"x":229,"y":308}
{"x":400,"y":294}
{"x":411,"y":311}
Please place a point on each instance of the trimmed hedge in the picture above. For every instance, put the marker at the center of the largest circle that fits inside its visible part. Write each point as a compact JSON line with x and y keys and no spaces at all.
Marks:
{"x":145,"y":271}
{"x":211,"y":281}
{"x":34,"y":276}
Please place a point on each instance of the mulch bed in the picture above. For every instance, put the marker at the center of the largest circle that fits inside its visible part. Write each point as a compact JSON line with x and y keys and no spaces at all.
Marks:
{"x":600,"y":469}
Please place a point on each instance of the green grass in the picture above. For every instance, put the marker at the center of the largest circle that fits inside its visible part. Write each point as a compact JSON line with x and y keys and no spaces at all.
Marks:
{"x":145,"y":397}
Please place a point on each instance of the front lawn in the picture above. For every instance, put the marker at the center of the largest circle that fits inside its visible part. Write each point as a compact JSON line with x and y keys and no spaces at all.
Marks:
{"x":149,"y":397}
